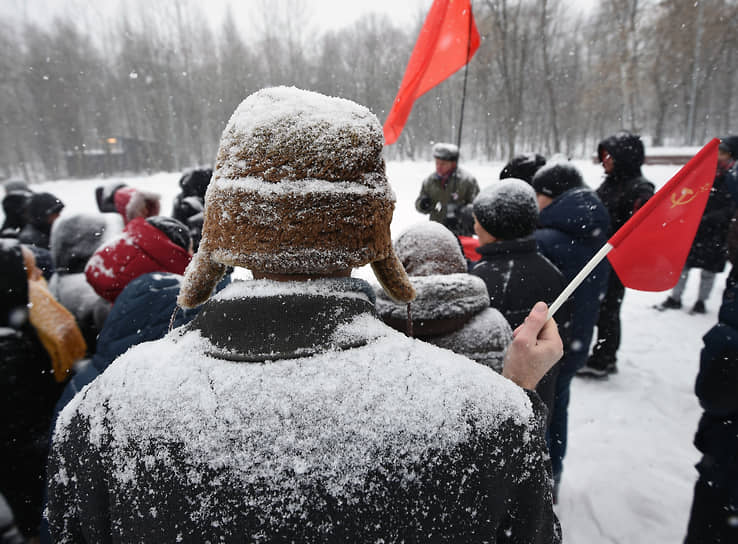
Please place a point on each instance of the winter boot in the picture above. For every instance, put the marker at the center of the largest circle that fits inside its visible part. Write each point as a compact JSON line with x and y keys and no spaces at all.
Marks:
{"x":593,"y":369}
{"x":698,"y":308}
{"x":669,"y":304}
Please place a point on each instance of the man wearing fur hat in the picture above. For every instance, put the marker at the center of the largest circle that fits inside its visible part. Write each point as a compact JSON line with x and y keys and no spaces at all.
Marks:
{"x":287,"y":411}
{"x":447,"y":194}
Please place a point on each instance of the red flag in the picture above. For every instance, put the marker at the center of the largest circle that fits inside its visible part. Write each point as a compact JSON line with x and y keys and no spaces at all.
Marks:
{"x":448,"y":39}
{"x":650,"y":250}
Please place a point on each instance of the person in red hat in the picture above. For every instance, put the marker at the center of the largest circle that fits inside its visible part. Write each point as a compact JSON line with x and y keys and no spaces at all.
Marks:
{"x":155,"y":244}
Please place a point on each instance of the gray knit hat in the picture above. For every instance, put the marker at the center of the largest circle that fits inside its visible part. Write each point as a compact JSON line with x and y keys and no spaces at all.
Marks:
{"x":299,"y":187}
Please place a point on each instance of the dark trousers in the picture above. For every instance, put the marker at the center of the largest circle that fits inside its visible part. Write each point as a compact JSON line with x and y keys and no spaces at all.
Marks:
{"x":604,"y":352}
{"x":713,"y":520}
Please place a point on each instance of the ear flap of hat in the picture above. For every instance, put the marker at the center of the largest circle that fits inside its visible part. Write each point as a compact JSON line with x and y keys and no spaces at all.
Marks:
{"x":201,"y":277}
{"x":392,"y":277}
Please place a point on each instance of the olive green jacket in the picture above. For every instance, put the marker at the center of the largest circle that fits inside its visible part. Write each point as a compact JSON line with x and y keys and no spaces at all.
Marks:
{"x":447,"y":205}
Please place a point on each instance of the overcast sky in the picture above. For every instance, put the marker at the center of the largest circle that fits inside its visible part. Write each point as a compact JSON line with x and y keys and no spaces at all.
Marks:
{"x":326,"y":14}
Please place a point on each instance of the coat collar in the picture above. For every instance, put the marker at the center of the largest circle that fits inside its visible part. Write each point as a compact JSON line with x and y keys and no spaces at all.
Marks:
{"x":265,"y":320}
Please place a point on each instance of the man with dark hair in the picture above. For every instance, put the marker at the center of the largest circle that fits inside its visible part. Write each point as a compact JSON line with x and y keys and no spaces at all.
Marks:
{"x":623,"y":192}
{"x":447,"y":194}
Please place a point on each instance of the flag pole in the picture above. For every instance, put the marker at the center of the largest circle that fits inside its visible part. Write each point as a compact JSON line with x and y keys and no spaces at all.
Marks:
{"x":466,"y":74}
{"x":579,"y":278}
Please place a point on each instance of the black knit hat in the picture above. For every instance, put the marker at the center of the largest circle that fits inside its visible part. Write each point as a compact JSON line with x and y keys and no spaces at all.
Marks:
{"x":175,"y":230}
{"x":507,"y":209}
{"x":555,"y":179}
{"x":523,"y":166}
{"x":42,"y":205}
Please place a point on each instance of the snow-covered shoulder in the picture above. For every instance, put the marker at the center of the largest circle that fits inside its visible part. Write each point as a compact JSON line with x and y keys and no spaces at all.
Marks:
{"x":328,"y":417}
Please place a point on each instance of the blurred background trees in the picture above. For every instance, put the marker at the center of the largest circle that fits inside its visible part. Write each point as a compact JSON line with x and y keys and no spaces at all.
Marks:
{"x":548,"y":77}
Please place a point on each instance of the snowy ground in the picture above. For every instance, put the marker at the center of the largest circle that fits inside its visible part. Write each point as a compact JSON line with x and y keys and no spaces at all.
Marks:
{"x":629,"y":473}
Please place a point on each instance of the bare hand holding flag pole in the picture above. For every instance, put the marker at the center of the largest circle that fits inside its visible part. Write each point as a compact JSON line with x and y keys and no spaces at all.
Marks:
{"x":649,"y":251}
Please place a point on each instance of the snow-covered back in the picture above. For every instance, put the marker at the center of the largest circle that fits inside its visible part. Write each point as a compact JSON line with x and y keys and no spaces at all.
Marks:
{"x":329,"y":419}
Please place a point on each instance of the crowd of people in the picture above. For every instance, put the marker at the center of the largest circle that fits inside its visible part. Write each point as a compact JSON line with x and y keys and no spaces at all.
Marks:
{"x":307,"y":404}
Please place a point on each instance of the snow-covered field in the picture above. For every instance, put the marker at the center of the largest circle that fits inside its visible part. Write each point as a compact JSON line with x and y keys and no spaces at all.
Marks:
{"x":629,"y":472}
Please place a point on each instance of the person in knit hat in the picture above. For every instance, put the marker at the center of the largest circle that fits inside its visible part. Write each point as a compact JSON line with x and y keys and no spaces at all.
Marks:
{"x":154,"y":244}
{"x":286,"y":410}
{"x":515,"y":273}
{"x":446,"y":195}
{"x":131,"y":203}
{"x":573,"y":225}
{"x":451,"y":309}
{"x":41,"y":212}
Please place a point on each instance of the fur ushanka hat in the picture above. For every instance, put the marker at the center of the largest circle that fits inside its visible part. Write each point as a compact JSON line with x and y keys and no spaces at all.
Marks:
{"x":299,"y":188}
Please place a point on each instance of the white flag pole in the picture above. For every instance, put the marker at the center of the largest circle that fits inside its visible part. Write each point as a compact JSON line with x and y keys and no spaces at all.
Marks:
{"x":579,"y":278}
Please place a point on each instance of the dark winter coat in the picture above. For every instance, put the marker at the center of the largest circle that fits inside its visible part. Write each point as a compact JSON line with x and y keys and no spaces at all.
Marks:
{"x":624,"y":190}
{"x":29,"y":392}
{"x":451,"y":311}
{"x":571,"y":230}
{"x":140,"y":249}
{"x":517,"y":277}
{"x":716,"y":386}
{"x":73,"y":241}
{"x":341,"y":431}
{"x":449,"y":202}
{"x":37,"y":230}
{"x":709,"y":250}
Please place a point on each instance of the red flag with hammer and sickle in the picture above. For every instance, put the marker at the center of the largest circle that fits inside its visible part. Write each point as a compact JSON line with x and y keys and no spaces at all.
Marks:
{"x":650,"y":250}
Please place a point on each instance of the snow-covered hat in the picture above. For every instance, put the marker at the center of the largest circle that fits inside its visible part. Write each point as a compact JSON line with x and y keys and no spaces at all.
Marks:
{"x":429,"y":248}
{"x":555,"y":179}
{"x":299,"y":187}
{"x":507,"y":209}
{"x":446,"y":152}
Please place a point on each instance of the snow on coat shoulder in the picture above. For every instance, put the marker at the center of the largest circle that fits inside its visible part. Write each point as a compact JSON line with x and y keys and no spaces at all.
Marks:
{"x":285,"y":418}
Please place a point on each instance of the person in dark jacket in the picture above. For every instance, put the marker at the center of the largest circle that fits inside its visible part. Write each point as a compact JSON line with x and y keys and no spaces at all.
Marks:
{"x":344,"y":430}
{"x":14,"y":208}
{"x":190,"y":202}
{"x":714,"y":515}
{"x":29,"y":393}
{"x":42,"y":210}
{"x":451,"y":309}
{"x":447,"y":194}
{"x":709,"y":249}
{"x":573,"y":225}
{"x":515,"y":273}
{"x":74,"y":240}
{"x":523,"y":166}
{"x":623,"y":191}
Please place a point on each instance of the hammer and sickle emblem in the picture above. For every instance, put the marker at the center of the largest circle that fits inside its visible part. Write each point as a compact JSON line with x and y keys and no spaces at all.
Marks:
{"x":687,"y":196}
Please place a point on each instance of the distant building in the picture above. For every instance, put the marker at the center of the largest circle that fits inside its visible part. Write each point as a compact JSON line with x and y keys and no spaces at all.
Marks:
{"x":116,"y":155}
